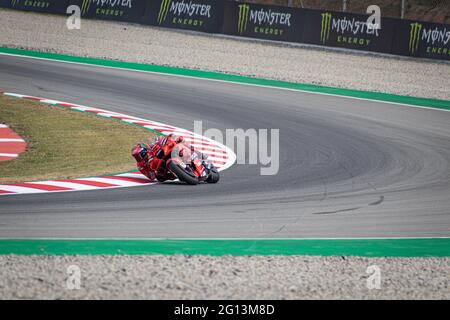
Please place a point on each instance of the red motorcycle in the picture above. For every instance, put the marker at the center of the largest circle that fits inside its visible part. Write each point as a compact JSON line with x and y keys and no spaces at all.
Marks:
{"x":184,"y":162}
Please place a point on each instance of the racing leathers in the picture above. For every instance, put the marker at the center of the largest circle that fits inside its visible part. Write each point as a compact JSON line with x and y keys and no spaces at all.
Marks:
{"x":154,"y":168}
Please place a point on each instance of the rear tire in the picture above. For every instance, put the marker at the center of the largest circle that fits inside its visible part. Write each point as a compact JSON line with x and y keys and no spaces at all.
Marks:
{"x":214,"y":176}
{"x":182,"y":174}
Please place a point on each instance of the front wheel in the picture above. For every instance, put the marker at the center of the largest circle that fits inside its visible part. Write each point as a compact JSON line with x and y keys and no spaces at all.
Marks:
{"x":182,"y":174}
{"x":214,"y":176}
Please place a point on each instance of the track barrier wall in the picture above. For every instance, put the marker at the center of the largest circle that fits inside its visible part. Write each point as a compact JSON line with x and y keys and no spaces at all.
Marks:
{"x":318,"y":27}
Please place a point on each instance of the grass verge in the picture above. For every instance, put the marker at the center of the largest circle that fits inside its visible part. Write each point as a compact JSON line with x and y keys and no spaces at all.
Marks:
{"x":64,"y":144}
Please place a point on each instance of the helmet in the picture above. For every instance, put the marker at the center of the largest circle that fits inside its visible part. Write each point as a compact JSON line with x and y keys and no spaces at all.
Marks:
{"x":140,"y":152}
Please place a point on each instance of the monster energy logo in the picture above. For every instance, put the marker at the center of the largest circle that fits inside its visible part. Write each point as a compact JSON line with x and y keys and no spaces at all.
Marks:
{"x":85,"y":6}
{"x":244,"y":10}
{"x":326,"y":27}
{"x":414,"y":37}
{"x":113,"y":6}
{"x":163,"y":10}
{"x":14,"y":2}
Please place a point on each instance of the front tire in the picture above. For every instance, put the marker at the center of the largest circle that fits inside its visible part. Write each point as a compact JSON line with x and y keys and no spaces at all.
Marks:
{"x":214,"y":176}
{"x":182,"y":174}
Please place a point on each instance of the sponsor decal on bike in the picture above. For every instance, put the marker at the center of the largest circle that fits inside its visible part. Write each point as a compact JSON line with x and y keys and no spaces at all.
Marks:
{"x":348,"y":31}
{"x":435,"y":40}
{"x":263,"y":20}
{"x":183,"y":13}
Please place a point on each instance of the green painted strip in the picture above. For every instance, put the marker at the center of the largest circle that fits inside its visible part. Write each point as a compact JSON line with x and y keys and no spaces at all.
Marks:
{"x":414,"y":101}
{"x":426,"y":247}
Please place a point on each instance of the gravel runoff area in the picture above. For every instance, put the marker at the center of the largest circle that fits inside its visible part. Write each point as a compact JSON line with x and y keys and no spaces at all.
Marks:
{"x":227,"y":277}
{"x":302,"y":64}
{"x":203,"y":277}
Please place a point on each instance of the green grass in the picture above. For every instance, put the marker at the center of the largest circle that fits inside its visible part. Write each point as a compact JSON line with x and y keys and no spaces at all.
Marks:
{"x":65,"y":144}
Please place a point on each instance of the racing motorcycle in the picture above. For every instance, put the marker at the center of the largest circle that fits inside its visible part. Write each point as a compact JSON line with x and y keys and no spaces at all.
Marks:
{"x":185,"y":163}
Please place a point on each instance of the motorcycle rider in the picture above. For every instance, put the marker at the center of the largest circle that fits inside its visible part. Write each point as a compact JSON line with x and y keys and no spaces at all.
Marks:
{"x":150,"y":165}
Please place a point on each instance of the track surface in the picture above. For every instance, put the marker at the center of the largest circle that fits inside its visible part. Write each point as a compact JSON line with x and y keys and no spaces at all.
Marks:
{"x":348,"y":168}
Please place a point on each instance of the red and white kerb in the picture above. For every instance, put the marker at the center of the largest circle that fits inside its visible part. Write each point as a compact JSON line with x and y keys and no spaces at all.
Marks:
{"x":11,"y":144}
{"x":220,"y":155}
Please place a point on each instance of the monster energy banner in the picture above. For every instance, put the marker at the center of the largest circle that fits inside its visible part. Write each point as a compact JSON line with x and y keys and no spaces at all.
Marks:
{"x":50,"y":6}
{"x":122,"y":10}
{"x":422,"y":39}
{"x":199,"y":15}
{"x":336,"y":29}
{"x":347,"y":30}
{"x":266,"y":22}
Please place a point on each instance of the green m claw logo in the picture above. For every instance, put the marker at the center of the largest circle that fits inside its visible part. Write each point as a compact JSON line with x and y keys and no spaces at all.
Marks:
{"x":14,"y":2}
{"x":326,"y":27}
{"x":244,"y":10}
{"x":163,"y":10}
{"x":414,"y":37}
{"x":85,"y":5}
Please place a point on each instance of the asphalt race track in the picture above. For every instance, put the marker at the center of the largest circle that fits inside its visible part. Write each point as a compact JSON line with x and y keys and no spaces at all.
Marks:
{"x":348,"y":168}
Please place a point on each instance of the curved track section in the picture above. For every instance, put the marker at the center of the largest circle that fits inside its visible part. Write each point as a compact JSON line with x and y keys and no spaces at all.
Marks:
{"x":348,"y":168}
{"x":220,"y":155}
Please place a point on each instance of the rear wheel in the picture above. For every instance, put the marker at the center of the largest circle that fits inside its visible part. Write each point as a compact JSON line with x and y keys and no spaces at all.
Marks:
{"x":182,"y":174}
{"x":214,"y":176}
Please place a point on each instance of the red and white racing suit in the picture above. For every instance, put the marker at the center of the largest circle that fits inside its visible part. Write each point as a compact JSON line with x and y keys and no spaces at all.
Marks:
{"x":154,"y":168}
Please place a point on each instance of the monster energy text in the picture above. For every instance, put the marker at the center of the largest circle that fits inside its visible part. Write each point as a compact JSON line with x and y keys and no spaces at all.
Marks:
{"x":106,"y":7}
{"x":264,"y":21}
{"x":184,"y":13}
{"x":343,"y":26}
{"x":31,"y":3}
{"x":436,"y":39}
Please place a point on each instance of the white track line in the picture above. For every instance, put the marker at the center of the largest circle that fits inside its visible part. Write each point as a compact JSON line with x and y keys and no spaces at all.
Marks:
{"x":239,"y":239}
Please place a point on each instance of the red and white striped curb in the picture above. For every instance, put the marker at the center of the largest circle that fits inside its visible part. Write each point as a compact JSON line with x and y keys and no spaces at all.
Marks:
{"x":11,"y":144}
{"x":220,"y":155}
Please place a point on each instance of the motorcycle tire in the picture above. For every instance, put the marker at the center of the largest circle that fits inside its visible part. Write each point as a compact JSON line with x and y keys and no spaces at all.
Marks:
{"x":182,"y":174}
{"x":214,"y":176}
